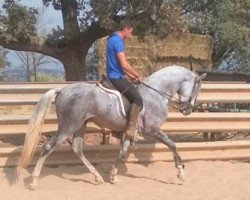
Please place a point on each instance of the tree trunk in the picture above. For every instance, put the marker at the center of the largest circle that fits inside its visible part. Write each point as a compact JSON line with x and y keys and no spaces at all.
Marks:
{"x":74,"y":65}
{"x":75,"y":71}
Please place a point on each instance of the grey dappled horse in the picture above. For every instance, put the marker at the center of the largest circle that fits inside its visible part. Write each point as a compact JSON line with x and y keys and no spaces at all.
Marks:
{"x":81,"y":102}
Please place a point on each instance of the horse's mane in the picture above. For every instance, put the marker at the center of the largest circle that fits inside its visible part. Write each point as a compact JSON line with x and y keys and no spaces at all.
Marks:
{"x":172,"y":69}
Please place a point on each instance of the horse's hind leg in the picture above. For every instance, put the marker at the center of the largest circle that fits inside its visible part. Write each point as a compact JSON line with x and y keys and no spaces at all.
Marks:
{"x":47,"y":149}
{"x":62,"y":134}
{"x":77,"y":148}
{"x":122,"y":154}
{"x":177,"y":159}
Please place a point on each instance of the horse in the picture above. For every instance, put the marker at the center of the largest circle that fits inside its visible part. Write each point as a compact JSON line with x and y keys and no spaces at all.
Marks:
{"x":79,"y":103}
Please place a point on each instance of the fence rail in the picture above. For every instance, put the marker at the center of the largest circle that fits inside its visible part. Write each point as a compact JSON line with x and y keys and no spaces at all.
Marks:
{"x":140,"y":153}
{"x":210,"y":93}
{"x":176,"y":122}
{"x":28,"y":94}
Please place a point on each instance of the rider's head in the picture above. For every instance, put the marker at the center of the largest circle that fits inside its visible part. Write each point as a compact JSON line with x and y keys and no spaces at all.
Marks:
{"x":125,"y":27}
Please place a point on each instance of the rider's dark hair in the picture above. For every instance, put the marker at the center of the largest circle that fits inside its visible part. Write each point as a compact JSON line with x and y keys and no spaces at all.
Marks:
{"x":123,"y":22}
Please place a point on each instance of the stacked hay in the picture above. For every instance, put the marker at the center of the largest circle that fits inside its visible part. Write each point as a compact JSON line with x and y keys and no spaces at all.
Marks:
{"x":137,"y":52}
{"x":149,"y":54}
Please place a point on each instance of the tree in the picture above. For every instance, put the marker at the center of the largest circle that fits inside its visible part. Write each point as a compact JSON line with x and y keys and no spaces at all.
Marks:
{"x":84,"y":21}
{"x":32,"y":62}
{"x":3,"y":59}
{"x":225,"y":20}
{"x":92,"y":62}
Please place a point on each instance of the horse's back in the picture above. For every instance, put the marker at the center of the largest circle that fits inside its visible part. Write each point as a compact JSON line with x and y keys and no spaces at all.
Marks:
{"x":75,"y":93}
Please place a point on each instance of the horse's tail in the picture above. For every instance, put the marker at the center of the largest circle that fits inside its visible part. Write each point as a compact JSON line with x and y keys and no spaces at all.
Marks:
{"x":35,"y":126}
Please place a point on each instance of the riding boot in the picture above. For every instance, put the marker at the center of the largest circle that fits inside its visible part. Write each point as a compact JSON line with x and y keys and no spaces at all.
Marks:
{"x":132,"y":131}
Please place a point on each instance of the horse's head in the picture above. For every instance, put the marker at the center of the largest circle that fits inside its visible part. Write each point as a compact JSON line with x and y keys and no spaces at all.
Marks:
{"x":188,"y":94}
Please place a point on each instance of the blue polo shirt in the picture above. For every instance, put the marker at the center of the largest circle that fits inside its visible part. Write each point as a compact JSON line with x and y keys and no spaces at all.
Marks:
{"x":113,"y":67}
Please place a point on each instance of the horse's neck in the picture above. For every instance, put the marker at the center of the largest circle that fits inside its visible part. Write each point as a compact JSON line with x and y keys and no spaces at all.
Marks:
{"x":167,"y":81}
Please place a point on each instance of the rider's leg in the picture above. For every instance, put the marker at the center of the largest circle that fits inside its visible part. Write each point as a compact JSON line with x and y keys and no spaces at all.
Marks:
{"x":131,"y":93}
{"x":132,"y":121}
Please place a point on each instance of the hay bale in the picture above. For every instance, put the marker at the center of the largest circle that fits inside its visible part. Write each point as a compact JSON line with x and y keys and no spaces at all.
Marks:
{"x":149,"y":54}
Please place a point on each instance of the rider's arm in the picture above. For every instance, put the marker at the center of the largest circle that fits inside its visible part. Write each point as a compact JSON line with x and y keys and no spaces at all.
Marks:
{"x":132,"y":73}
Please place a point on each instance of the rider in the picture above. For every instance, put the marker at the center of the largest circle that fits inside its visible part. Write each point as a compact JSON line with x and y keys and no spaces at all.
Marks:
{"x":116,"y":68}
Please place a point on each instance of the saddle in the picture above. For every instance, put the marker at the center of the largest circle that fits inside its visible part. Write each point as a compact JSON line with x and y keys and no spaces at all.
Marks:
{"x":106,"y":83}
{"x":108,"y":87}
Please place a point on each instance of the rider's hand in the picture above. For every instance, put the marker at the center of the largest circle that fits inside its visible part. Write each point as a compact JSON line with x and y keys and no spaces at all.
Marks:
{"x":136,"y":79}
{"x":139,"y":78}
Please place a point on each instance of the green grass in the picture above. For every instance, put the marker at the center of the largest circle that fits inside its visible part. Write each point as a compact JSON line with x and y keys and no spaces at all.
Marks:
{"x":43,"y":77}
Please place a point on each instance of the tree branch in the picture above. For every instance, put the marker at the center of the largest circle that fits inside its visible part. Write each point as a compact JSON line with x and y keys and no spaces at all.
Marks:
{"x":37,"y":46}
{"x":69,"y":14}
{"x":151,"y":10}
{"x":94,"y":32}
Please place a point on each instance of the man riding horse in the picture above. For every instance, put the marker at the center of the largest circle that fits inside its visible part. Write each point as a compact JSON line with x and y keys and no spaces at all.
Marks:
{"x":80,"y":103}
{"x":116,"y":67}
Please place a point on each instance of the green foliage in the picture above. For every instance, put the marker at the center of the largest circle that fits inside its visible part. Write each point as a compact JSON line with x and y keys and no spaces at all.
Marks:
{"x":92,"y":62}
{"x":43,"y":77}
{"x":3,"y":59}
{"x":158,"y":19}
{"x":19,"y":23}
{"x":85,"y":21}
{"x":225,"y":20}
{"x":244,"y":55}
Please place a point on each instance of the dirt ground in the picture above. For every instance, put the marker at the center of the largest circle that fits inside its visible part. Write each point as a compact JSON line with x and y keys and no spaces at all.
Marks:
{"x":205,"y":180}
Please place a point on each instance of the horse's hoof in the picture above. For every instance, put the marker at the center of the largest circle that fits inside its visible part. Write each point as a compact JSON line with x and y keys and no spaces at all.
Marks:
{"x":114,"y":180}
{"x":181,"y":177}
{"x":33,"y":186}
{"x":99,"y":180}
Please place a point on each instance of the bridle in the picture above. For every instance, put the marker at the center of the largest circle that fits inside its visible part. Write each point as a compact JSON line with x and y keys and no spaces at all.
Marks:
{"x":182,"y":104}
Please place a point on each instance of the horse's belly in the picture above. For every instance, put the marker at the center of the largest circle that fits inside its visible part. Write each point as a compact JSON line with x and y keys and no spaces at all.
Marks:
{"x":117,"y":124}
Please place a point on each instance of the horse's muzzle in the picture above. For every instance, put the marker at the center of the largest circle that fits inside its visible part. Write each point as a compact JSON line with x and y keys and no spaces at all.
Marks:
{"x":186,"y":109}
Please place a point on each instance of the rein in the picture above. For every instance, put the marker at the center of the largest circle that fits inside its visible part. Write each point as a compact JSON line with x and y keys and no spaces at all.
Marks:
{"x":165,"y":94}
{"x":178,"y":101}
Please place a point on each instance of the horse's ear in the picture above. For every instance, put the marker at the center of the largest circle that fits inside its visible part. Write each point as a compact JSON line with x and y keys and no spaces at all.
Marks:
{"x":201,"y":77}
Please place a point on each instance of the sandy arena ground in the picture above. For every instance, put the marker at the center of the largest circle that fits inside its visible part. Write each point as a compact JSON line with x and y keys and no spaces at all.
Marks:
{"x":205,"y":180}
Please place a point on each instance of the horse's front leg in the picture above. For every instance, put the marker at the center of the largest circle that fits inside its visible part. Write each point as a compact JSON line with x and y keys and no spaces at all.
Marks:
{"x":161,"y":136}
{"x":122,"y":154}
